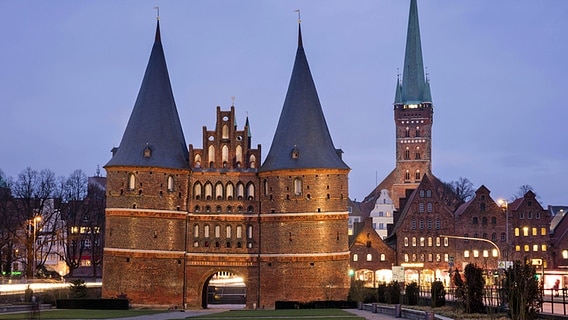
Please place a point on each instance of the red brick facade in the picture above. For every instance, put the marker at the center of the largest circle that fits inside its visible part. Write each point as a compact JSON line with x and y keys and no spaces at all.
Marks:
{"x":283,"y":232}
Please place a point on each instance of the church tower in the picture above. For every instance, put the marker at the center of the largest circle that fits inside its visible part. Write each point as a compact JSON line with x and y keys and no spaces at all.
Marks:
{"x":413,"y":117}
{"x":147,"y":194}
{"x":304,"y":254}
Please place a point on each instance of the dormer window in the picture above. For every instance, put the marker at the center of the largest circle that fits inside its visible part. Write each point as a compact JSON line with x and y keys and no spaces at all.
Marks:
{"x":295,"y":153}
{"x":147,"y":152}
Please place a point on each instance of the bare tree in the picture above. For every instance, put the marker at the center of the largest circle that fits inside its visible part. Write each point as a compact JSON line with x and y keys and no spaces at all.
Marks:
{"x":457,"y":192}
{"x":522,"y":191}
{"x":8,"y":227}
{"x":32,"y":190}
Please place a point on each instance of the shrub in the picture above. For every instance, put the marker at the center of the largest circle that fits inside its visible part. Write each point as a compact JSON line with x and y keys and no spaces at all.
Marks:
{"x":381,"y":293}
{"x":78,"y":289}
{"x":412,"y":291}
{"x":438,"y":294}
{"x":393,"y":293}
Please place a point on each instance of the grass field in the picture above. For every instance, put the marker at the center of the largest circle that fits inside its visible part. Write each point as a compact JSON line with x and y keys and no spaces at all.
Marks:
{"x":79,"y":314}
{"x":306,"y":314}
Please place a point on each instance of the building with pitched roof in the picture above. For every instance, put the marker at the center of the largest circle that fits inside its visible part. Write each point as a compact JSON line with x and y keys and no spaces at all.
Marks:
{"x":178,"y":217}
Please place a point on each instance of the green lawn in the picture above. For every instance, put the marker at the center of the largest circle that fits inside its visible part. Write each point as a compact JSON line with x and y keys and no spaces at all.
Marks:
{"x":79,"y":314}
{"x":306,"y":314}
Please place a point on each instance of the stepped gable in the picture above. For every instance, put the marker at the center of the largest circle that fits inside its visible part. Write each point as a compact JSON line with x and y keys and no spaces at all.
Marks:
{"x":153,"y":136}
{"x":302,"y":139}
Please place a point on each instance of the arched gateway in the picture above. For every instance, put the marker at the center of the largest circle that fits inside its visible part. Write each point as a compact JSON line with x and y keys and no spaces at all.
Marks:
{"x":173,"y":224}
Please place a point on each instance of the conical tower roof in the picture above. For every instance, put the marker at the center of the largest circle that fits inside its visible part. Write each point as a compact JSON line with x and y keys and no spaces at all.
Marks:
{"x":414,"y":86}
{"x":153,"y":136}
{"x":302,"y":139}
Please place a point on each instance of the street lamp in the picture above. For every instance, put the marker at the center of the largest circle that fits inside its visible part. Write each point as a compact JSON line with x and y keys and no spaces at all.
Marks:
{"x":36,"y":220}
{"x":503,"y":203}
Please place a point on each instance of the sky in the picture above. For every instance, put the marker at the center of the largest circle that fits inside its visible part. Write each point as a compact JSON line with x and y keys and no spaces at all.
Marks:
{"x":70,"y":72}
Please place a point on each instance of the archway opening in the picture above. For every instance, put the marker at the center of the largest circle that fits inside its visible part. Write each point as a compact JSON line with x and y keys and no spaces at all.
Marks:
{"x":224,"y":288}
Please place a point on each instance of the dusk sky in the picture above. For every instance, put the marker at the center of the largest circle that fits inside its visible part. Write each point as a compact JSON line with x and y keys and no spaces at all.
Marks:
{"x":70,"y":72}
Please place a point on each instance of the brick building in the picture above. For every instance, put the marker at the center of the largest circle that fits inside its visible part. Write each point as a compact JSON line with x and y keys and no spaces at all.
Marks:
{"x":176,"y":217}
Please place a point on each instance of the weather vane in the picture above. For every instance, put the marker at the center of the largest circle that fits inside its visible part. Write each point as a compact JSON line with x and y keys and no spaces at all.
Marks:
{"x":157,"y":13}
{"x":298,"y":11}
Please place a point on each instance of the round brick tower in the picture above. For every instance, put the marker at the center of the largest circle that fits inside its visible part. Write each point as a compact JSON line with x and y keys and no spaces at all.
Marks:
{"x":147,"y":179}
{"x":304,"y":254}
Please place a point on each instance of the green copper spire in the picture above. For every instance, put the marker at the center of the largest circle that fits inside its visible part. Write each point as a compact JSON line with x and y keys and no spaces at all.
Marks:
{"x":414,"y":85}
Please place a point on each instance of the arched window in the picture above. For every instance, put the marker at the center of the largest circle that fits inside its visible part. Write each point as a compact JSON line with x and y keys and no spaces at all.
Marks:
{"x":407,"y":153}
{"x":407,"y":132}
{"x":369,"y":257}
{"x":196,"y":230}
{"x":225,"y":132}
{"x":217,"y":231}
{"x":170,"y":183}
{"x":239,"y":231}
{"x":206,"y":231}
{"x":406,"y":241}
{"x":417,"y":153}
{"x":249,"y":231}
{"x":417,"y":175}
{"x":250,"y":191}
{"x":429,"y":207}
{"x":131,"y":181}
{"x":211,"y":154}
{"x":197,"y":191}
{"x":417,"y":131}
{"x":265,"y":187}
{"x":407,"y":175}
{"x":406,"y":257}
{"x":355,"y":257}
{"x":230,"y":191}
{"x":240,"y":191}
{"x":197,"y":161}
{"x":239,"y":154}
{"x":383,"y":257}
{"x":297,"y":186}
{"x":219,"y":191}
{"x":225,"y":155}
{"x":252,"y":161}
{"x":228,"y":231}
{"x":208,"y":191}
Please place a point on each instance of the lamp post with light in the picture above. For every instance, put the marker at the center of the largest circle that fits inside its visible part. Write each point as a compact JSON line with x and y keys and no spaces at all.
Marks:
{"x":36,"y":220}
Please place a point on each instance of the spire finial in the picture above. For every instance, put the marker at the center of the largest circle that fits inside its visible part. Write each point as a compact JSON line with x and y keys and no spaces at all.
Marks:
{"x":298,"y":11}
{"x":157,"y":13}
{"x":232,"y":101}
{"x":300,"y":44}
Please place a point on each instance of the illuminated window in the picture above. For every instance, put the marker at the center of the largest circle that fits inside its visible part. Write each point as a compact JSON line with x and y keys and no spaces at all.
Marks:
{"x":446,"y":257}
{"x":414,"y":241}
{"x":517,"y":248}
{"x":527,"y":248}
{"x":517,"y":232}
{"x":422,"y":241}
{"x":429,"y":241}
{"x":406,"y":256}
{"x":526,"y":231}
{"x":369,"y":257}
{"x":565,"y":254}
{"x":495,"y":253}
{"x":406,"y":241}
{"x":383,"y":257}
{"x":355,"y":257}
{"x":543,"y":231}
{"x":438,"y":257}
{"x":535,"y":247}
{"x":485,"y":253}
{"x":430,"y":257}
{"x":446,"y":242}
{"x":438,"y":242}
{"x":476,"y":253}
{"x":543,"y":247}
{"x":466,"y":254}
{"x":534,"y":232}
